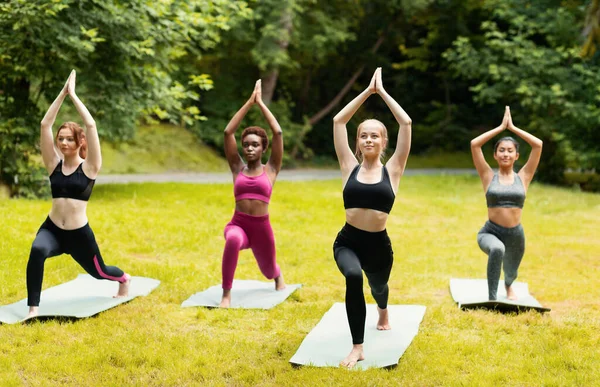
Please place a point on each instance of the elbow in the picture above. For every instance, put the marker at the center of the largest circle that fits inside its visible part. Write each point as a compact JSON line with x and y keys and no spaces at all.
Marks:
{"x":539,"y":144}
{"x":337,"y":119}
{"x":408,"y":122}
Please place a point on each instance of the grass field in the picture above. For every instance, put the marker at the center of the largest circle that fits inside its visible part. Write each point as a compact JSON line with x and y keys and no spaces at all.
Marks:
{"x":173,"y":232}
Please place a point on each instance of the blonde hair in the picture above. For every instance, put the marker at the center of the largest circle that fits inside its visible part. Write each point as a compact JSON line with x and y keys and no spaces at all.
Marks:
{"x":384,"y":135}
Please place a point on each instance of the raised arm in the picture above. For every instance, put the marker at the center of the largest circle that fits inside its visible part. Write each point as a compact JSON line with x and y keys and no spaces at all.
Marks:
{"x":274,"y":163}
{"x":49,"y":155}
{"x":231,"y":152}
{"x":526,"y":173}
{"x":93,"y":160}
{"x":397,"y":162}
{"x":483,"y":168}
{"x":340,"y":132}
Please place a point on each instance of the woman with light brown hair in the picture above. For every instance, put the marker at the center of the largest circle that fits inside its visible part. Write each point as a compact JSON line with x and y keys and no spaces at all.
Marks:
{"x":369,"y":191}
{"x":73,"y":160}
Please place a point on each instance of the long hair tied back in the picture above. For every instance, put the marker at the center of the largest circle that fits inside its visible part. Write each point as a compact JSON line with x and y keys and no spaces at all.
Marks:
{"x":79,"y":135}
{"x":507,"y":138}
{"x":384,"y":134}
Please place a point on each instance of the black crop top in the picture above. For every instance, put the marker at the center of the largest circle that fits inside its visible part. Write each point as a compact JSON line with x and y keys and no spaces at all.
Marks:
{"x":378,"y":196}
{"x":74,"y":186}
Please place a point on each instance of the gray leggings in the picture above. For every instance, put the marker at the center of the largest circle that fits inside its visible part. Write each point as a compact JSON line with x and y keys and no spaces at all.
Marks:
{"x":503,"y":245}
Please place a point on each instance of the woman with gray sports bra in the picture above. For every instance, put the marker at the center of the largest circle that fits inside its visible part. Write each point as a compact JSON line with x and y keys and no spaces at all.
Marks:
{"x":369,"y":192}
{"x":502,"y":236}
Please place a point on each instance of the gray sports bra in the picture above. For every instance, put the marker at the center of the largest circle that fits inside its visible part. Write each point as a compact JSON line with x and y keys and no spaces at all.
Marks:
{"x":507,"y":196}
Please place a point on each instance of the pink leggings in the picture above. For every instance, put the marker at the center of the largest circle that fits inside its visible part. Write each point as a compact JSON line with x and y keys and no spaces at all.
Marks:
{"x":247,"y":231}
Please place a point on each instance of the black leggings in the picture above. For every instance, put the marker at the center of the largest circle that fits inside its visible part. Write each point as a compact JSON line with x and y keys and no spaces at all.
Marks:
{"x":51,"y":241}
{"x":356,"y":250}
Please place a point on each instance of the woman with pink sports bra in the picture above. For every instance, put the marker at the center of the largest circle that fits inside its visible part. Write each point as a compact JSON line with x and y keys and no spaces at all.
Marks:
{"x":252,"y":187}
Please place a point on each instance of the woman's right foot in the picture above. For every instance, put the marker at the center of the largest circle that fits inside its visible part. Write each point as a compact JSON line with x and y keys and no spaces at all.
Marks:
{"x":226,"y":299}
{"x":510,"y":293}
{"x":33,"y":311}
{"x":384,"y":322}
{"x":124,"y":287}
{"x":354,"y":356}
{"x":279,"y":283}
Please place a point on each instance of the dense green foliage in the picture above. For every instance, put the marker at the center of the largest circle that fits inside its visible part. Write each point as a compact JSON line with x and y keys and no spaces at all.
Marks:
{"x":451,"y":64}
{"x":136,"y":59}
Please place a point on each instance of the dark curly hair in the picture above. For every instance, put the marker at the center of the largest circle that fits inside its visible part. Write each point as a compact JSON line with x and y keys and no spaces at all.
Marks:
{"x":260,"y":132}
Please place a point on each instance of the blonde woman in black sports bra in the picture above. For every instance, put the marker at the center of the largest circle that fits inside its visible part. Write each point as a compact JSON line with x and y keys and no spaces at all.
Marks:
{"x":369,"y":192}
{"x":502,"y":236}
{"x":72,"y":160}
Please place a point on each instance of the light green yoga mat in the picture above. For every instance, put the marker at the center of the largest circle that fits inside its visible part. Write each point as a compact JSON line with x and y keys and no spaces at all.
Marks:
{"x":244,"y":294}
{"x":473,"y":294}
{"x":330,"y":341}
{"x":85,"y":296}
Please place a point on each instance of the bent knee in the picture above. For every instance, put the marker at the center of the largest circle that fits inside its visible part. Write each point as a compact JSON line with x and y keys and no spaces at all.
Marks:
{"x":39,"y":252}
{"x":497,"y":250}
{"x":354,"y":277}
{"x":234,"y":240}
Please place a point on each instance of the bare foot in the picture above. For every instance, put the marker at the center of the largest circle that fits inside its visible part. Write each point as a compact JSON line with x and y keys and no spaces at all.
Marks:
{"x":124,"y":287}
{"x":354,"y":357}
{"x":33,"y":312}
{"x":510,"y":293}
{"x":384,"y":323}
{"x":226,"y":299}
{"x":279,"y":284}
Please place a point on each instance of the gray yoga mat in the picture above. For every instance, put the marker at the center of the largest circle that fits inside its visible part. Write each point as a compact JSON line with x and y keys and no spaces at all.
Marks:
{"x":473,"y":294}
{"x":245,"y":294}
{"x":330,"y":341}
{"x":83,"y":297}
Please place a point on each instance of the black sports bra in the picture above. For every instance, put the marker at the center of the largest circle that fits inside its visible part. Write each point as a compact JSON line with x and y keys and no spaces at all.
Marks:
{"x":74,"y":186}
{"x":378,"y":196}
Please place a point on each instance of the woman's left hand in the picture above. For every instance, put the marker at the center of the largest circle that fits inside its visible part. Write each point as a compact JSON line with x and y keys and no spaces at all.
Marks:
{"x":258,"y":91}
{"x":378,"y":82}
{"x":71,"y":83}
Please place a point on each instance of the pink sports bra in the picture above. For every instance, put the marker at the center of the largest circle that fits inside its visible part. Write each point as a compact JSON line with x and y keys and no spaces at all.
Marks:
{"x":252,"y":187}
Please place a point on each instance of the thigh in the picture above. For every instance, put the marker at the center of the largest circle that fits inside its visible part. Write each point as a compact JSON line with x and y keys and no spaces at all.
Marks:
{"x":380,"y":277}
{"x":233,"y":231}
{"x":515,"y":246}
{"x":83,"y":247}
{"x":488,"y":241}
{"x":47,"y":243}
{"x":347,"y":261}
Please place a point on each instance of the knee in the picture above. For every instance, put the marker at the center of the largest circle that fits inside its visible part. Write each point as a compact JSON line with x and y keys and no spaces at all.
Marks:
{"x":379,"y":289}
{"x":38,"y":252}
{"x":354,"y":277}
{"x":234,"y":240}
{"x":497,"y":250}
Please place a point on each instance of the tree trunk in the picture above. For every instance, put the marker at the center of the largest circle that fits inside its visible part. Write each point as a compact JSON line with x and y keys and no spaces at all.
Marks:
{"x":336,"y":100}
{"x":269,"y":77}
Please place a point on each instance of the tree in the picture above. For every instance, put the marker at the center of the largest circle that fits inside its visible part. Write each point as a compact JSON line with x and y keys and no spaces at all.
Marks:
{"x":529,"y":59}
{"x":129,"y":54}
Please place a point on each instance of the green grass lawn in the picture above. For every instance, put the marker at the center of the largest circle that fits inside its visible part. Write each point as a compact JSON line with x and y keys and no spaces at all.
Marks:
{"x":173,"y":232}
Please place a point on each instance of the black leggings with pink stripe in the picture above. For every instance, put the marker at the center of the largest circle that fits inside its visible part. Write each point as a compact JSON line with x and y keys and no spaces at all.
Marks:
{"x":80,"y":243}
